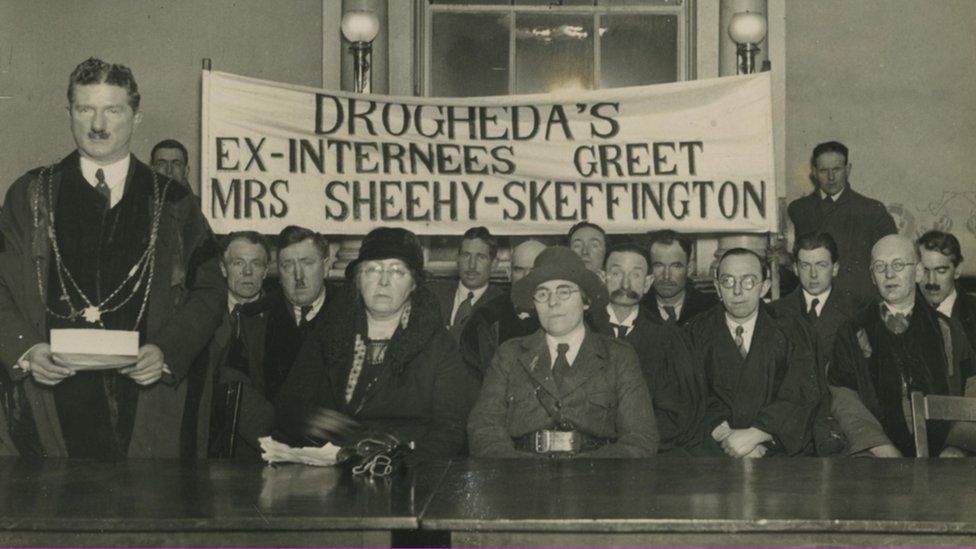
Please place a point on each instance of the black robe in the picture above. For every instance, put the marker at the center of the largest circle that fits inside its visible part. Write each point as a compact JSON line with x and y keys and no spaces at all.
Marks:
{"x":773,"y":389}
{"x":490,"y":325}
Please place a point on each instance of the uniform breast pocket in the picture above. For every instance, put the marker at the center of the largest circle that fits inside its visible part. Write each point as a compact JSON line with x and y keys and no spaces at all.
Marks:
{"x":524,"y":413}
{"x":601,"y":409}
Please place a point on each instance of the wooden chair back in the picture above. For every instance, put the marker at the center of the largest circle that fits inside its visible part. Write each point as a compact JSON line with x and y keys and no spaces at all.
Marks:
{"x":937,"y":407}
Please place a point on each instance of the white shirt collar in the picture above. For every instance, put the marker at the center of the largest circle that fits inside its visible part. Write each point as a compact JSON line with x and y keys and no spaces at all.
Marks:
{"x":462,"y":293}
{"x":748,"y":328}
{"x":948,"y":303}
{"x":904,"y":309}
{"x":115,"y":174}
{"x":232,"y":300}
{"x":677,"y":308}
{"x":316,"y":307}
{"x":574,"y":339}
{"x":834,"y":197}
{"x":628,"y":322}
{"x":808,"y":297}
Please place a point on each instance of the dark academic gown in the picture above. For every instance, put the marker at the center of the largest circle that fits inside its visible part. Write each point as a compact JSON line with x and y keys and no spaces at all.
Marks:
{"x":856,"y":222}
{"x":875,"y":372}
{"x":696,"y":302}
{"x":827,"y":434}
{"x":673,"y":376}
{"x":964,"y":316}
{"x":490,"y":325}
{"x":773,"y":389}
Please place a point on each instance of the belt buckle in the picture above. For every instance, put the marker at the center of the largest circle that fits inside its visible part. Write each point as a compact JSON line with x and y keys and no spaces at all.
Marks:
{"x":557,"y":441}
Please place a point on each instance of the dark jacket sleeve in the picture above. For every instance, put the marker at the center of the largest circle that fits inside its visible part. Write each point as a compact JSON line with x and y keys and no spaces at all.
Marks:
{"x":678,"y":392}
{"x":453,"y":392}
{"x":637,"y":434}
{"x":194,"y":321}
{"x":487,"y":434}
{"x":883,"y":224}
{"x":304,"y":386}
{"x":789,"y":417}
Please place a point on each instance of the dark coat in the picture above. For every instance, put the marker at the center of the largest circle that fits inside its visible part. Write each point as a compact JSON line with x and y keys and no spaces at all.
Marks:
{"x":422,"y":391}
{"x":964,"y":315}
{"x":674,"y":378}
{"x":604,"y":397}
{"x":696,"y":302}
{"x":774,"y":389}
{"x":445,"y":300}
{"x":872,"y":361}
{"x":490,"y":325}
{"x":856,"y":222}
{"x":186,"y":296}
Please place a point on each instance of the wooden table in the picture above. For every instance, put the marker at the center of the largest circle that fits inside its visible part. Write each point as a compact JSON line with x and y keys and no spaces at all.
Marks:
{"x":701,"y":502}
{"x":149,"y":503}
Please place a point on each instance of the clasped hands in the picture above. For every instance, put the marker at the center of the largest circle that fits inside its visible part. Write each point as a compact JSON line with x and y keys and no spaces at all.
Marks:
{"x":47,"y":369}
{"x":741,"y":442}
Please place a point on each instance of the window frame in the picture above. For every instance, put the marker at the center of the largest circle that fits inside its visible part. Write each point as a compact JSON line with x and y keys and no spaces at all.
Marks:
{"x":686,"y":69}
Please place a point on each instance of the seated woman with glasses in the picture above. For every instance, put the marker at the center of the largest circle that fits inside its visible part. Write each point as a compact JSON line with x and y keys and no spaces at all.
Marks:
{"x":760,"y":368}
{"x":382,"y":357}
{"x":564,"y":390}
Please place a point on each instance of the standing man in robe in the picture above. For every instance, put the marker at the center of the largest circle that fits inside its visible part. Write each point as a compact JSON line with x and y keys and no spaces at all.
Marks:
{"x":169,"y":158}
{"x":99,"y":241}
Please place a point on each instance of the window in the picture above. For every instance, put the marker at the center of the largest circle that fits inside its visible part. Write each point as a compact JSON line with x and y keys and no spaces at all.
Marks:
{"x":535,"y":46}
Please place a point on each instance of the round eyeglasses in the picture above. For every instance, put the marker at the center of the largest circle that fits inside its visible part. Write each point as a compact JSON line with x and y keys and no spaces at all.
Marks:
{"x":542,"y":295}
{"x":896,"y":265}
{"x":747,"y":282}
{"x":375,"y":272}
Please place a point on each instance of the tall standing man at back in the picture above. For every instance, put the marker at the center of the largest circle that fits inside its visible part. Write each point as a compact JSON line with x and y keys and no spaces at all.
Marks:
{"x":855,"y":221}
{"x":100,"y":241}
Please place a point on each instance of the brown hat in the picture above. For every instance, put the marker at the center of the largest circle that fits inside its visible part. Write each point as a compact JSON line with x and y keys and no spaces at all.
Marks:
{"x":559,"y":263}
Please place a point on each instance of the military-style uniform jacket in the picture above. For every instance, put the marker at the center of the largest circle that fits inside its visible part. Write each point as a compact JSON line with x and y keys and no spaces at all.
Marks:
{"x":604,"y":397}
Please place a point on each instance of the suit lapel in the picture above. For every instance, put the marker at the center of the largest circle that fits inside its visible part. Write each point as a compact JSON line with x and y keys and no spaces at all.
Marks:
{"x":590,"y":360}
{"x":254,"y":328}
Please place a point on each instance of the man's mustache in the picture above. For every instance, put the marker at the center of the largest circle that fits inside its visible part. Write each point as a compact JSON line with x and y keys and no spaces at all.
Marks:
{"x":621,"y":292}
{"x":933,"y":287}
{"x":98,"y":134}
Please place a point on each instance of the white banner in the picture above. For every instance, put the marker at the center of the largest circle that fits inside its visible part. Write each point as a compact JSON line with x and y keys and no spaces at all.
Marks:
{"x":691,"y":156}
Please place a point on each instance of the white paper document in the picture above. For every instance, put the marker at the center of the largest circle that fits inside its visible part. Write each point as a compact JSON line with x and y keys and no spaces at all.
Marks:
{"x":273,"y":451}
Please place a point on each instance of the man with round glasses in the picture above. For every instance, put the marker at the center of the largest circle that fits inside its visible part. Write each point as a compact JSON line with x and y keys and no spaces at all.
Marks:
{"x":759,"y":367}
{"x":564,"y":390}
{"x":888,"y":351}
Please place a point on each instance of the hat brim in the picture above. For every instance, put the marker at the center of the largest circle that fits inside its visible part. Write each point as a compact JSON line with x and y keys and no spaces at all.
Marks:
{"x":588,"y":281}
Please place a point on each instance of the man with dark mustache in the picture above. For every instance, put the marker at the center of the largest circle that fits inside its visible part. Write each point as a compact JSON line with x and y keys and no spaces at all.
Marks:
{"x":889,"y":350}
{"x":663,"y":350}
{"x":674,"y":298}
{"x":941,"y":256}
{"x":477,"y":257}
{"x":99,"y":241}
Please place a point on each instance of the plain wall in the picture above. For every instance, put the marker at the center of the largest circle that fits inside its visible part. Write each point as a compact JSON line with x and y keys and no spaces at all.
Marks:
{"x":895,"y":81}
{"x":163,"y":42}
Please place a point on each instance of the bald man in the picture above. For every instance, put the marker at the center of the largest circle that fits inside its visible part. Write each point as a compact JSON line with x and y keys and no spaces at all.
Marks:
{"x":496,"y":321}
{"x":889,"y":350}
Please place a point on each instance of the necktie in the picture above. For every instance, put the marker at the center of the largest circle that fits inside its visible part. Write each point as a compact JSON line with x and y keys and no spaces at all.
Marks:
{"x":947,"y":341}
{"x":303,"y":320}
{"x":560,"y":366}
{"x":669,"y":312}
{"x":102,"y":187}
{"x":896,"y":322}
{"x":740,"y":342}
{"x":619,"y":330}
{"x":812,"y":313}
{"x":464,"y":310}
{"x":237,"y":354}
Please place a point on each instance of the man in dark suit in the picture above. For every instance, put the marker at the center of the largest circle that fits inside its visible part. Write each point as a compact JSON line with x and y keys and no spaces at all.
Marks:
{"x":670,"y":370}
{"x":79,"y":250}
{"x":890,"y":350}
{"x":855,"y":221}
{"x":941,"y":256}
{"x":674,"y":298}
{"x":239,"y":413}
{"x":759,"y":367}
{"x":477,"y":257}
{"x":823,"y":312}
{"x":497,"y":321}
{"x":169,"y":158}
{"x":589,"y":241}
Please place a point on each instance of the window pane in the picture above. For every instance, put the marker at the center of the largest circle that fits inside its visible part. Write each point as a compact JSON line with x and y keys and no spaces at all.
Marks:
{"x":469,"y":54}
{"x":553,"y":53}
{"x":638,"y":49}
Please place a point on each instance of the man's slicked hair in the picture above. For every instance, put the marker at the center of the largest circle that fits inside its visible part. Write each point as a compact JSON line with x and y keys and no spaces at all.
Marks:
{"x":944,"y":243}
{"x":631,"y":247}
{"x":95,"y":71}
{"x":250,"y":236}
{"x":583,"y":225}
{"x":482,"y":234}
{"x":668,"y":237}
{"x":828,"y":147}
{"x":763,"y":267}
{"x":293,"y":234}
{"x":170,"y":144}
{"x":812,"y":241}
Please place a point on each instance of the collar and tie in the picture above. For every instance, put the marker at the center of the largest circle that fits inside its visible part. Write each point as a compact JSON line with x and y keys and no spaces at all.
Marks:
{"x":560,"y":366}
{"x":897,"y":323}
{"x":740,"y":342}
{"x":235,"y":320}
{"x":303,"y":319}
{"x":102,"y":187}
{"x":670,"y":314}
{"x":812,"y":313}
{"x":464,"y":310}
{"x":619,"y":330}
